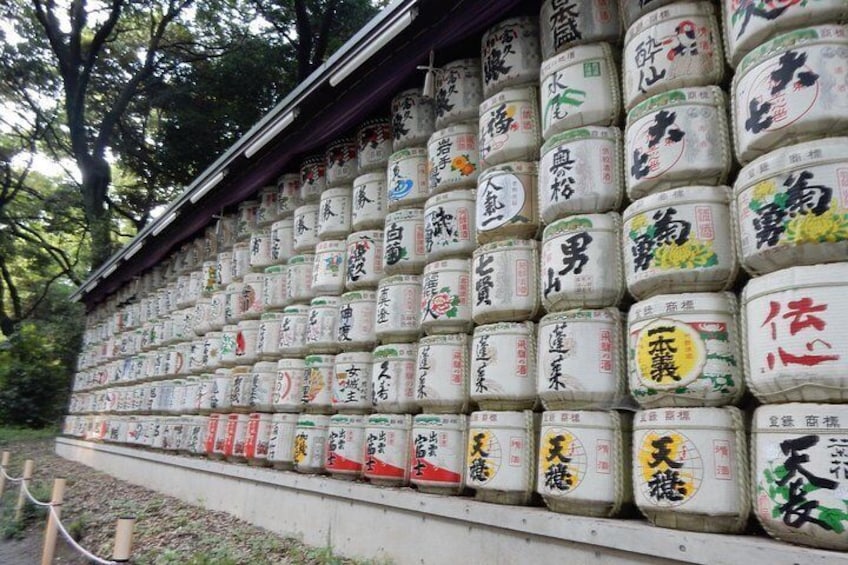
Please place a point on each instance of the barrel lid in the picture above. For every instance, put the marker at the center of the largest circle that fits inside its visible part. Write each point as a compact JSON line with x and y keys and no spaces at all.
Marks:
{"x":451,"y":196}
{"x":295,"y":309}
{"x":400,"y":280}
{"x":698,"y":418}
{"x":678,"y":196}
{"x":455,"y":129}
{"x":527,"y":92}
{"x":666,"y":13}
{"x":445,"y":339}
{"x":440,"y":420}
{"x":582,"y":315}
{"x":347,"y":420}
{"x":794,"y":278}
{"x":583,"y":222}
{"x":395,"y":350}
{"x":271,"y":316}
{"x":831,"y":33}
{"x":581,"y":134}
{"x":404,"y":420}
{"x":307,"y":259}
{"x":492,"y":419}
{"x":332,"y":301}
{"x":275,"y":270}
{"x":316,"y":359}
{"x":710,"y":95}
{"x":369,"y":178}
{"x":792,"y":157}
{"x":358,"y":295}
{"x":513,"y":167}
{"x":576,"y":55}
{"x":506,"y":245}
{"x":448,"y":265}
{"x":405,"y":214}
{"x":670,"y":305}
{"x":312,"y":421}
{"x":505,"y":328}
{"x":408,"y":153}
{"x":355,"y":357}
{"x":329,"y":245}
{"x":763,"y":415}
{"x":595,"y":419}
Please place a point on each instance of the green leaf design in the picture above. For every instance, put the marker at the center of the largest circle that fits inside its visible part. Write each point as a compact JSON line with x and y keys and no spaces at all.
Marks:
{"x":833,"y":517}
{"x":768,"y":475}
{"x":754,"y":205}
{"x":451,"y":313}
{"x":780,"y":200}
{"x":712,"y":261}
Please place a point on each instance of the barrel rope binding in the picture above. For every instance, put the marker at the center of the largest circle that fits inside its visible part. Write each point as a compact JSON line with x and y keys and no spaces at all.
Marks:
{"x":618,"y":465}
{"x":745,"y":498}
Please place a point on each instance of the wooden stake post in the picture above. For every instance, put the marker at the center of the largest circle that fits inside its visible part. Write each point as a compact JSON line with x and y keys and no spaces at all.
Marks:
{"x":29,"y":465}
{"x":4,"y":464}
{"x":123,"y":539}
{"x":52,"y":529}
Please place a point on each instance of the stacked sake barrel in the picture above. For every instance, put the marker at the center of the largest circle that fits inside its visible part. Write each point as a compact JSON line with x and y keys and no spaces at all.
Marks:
{"x":582,"y":465}
{"x":790,"y":213}
{"x":684,"y":365}
{"x":503,"y":295}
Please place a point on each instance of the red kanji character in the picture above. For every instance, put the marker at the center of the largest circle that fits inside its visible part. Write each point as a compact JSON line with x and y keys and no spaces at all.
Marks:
{"x":774,"y":310}
{"x":801,"y":317}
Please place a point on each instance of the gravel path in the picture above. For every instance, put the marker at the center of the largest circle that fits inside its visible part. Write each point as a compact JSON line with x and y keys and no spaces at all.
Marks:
{"x":168,"y":531}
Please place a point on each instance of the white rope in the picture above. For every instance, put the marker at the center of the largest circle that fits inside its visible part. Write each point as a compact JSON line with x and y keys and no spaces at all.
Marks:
{"x":80,"y":549}
{"x":8,"y":478}
{"x":31,"y":497}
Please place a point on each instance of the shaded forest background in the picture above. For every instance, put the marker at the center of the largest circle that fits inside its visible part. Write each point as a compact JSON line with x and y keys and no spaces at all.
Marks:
{"x":108,"y":109}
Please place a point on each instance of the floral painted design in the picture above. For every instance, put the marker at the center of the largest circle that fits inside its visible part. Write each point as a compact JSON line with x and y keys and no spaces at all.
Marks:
{"x":809,"y":228}
{"x":463,"y":165}
{"x":690,"y":255}
{"x":441,"y":304}
{"x":666,"y":243}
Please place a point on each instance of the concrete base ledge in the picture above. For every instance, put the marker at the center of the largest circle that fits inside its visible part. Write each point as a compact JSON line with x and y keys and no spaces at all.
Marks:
{"x":408,"y":527}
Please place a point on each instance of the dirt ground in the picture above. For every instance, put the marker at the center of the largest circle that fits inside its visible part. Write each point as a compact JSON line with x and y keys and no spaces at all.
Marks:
{"x":168,"y":531}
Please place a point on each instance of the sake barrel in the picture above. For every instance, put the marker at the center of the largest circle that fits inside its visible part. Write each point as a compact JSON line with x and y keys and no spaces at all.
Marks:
{"x":684,"y":350}
{"x":222,"y":383}
{"x":313,"y":178}
{"x":318,"y":383}
{"x":505,"y":281}
{"x":581,"y":172}
{"x":397,"y":316}
{"x":406,"y":178}
{"x":582,"y":263}
{"x":267,"y":213}
{"x":345,"y":446}
{"x":679,"y":241}
{"x":794,"y":322}
{"x":442,"y":373}
{"x":334,"y":213}
{"x":499,"y":461}
{"x":293,"y":331}
{"x":748,"y":25}
{"x":351,"y":386}
{"x":241,"y":262}
{"x":274,"y":290}
{"x":341,"y":162}
{"x":413,"y":119}
{"x":506,"y":202}
{"x":236,"y":437}
{"x":510,"y":127}
{"x":355,"y":321}
{"x":258,"y":436}
{"x":329,"y":269}
{"x":449,"y":224}
{"x":437,"y":455}
{"x":677,"y":46}
{"x":246,"y":341}
{"x":393,"y":377}
{"x":404,"y":243}
{"x":459,"y":92}
{"x":240,"y":388}
{"x":262,"y":386}
{"x":288,"y":385}
{"x":579,"y":87}
{"x":580,"y":360}
{"x":246,"y":225}
{"x":677,"y":138}
{"x":299,"y":279}
{"x":632,"y":11}
{"x":503,"y":366}
{"x":310,"y":439}
{"x":690,"y":469}
{"x":511,"y":54}
{"x":564,"y":24}
{"x":282,"y":240}
{"x":790,"y":89}
{"x":374,"y":144}
{"x":798,"y":460}
{"x":251,"y":296}
{"x":368,"y":208}
{"x":322,"y":325}
{"x":281,"y":441}
{"x":305,"y":228}
{"x":211,"y":354}
{"x":446,"y":297}
{"x":584,"y":462}
{"x":209,"y":278}
{"x":387,"y":449}
{"x":364,"y":259}
{"x":791,"y":206}
{"x":216,"y":436}
{"x":453,"y":158}
{"x":288,"y":194}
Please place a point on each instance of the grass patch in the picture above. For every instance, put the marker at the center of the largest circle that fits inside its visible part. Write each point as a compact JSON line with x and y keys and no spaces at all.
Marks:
{"x":12,"y":434}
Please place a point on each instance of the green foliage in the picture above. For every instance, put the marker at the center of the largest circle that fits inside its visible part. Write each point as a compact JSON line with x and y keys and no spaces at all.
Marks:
{"x":15,"y":434}
{"x":37,"y":363}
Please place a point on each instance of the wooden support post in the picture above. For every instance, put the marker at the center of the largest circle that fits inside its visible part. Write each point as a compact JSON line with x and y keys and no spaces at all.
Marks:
{"x":29,"y":464}
{"x":4,"y":464}
{"x":52,"y":518}
{"x":123,"y":539}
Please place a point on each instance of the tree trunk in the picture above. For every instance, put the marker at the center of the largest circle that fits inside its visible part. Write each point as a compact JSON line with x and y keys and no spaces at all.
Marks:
{"x":96,"y":177}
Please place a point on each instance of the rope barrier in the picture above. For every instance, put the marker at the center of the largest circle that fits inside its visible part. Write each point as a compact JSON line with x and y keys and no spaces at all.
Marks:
{"x":52,"y":509}
{"x":80,"y":549}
